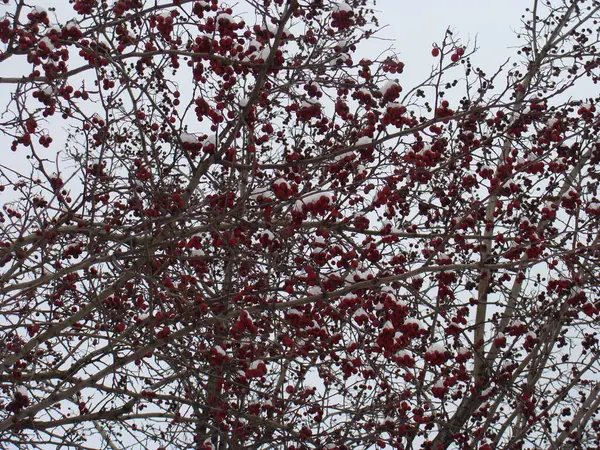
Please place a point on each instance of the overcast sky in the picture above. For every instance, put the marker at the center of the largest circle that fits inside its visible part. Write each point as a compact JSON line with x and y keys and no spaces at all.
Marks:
{"x":415,"y":25}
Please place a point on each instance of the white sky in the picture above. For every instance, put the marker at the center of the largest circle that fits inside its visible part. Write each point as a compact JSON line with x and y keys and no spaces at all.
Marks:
{"x":415,"y":25}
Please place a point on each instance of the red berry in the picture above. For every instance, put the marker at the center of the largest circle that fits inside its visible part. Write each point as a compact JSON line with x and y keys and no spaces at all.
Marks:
{"x":455,"y":57}
{"x":435,"y":51}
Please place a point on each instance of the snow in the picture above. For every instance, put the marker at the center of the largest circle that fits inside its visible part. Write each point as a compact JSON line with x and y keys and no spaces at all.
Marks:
{"x":48,"y":90}
{"x":196,"y":253}
{"x":268,"y":234}
{"x":436,"y":347}
{"x":48,"y":43}
{"x":387,"y":420}
{"x":425,"y":149}
{"x":401,"y":303}
{"x":280,"y":182}
{"x":71,"y":24}
{"x":40,"y":10}
{"x":315,"y":290}
{"x":21,"y":390}
{"x":342,"y":43}
{"x":388,"y":326}
{"x":210,"y":139}
{"x":294,"y":312}
{"x":531,"y":335}
{"x":552,"y":122}
{"x":317,"y":85}
{"x":360,"y":274}
{"x":463,"y":350}
{"x":342,"y":6}
{"x":263,"y":54}
{"x":188,"y":138}
{"x":312,"y":198}
{"x":256,"y":363}
{"x":271,"y":28}
{"x":256,"y":44}
{"x":364,"y":140}
{"x":389,"y":84}
{"x":350,"y":277}
{"x":244,"y":101}
{"x":259,"y":191}
{"x":219,"y":350}
{"x":506,"y":364}
{"x":411,"y":321}
{"x":342,"y":156}
{"x":313,"y":326}
{"x":226,"y":17}
{"x":309,"y":103}
{"x":165,"y":14}
{"x":595,"y":206}
{"x":360,"y":312}
{"x":143,"y":316}
{"x":388,"y":290}
{"x":391,"y":292}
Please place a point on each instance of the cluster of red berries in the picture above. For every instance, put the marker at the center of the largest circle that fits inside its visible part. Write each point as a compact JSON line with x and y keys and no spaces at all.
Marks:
{"x":19,"y":403}
{"x":308,"y":111}
{"x":454,"y":57}
{"x":342,"y":19}
{"x":394,"y":115}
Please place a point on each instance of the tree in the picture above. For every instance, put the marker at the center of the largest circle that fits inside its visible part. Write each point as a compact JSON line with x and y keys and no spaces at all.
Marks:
{"x":222,"y":229}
